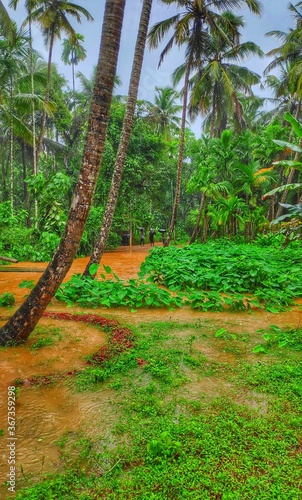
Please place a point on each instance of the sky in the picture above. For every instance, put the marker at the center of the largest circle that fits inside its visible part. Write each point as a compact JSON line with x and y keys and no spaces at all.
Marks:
{"x":275,"y":16}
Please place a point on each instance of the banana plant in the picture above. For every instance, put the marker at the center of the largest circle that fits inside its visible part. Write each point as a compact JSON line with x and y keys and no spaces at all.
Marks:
{"x":297,"y":165}
{"x":294,"y":211}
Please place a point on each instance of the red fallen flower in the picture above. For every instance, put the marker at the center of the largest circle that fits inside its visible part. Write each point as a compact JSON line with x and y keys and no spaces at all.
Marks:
{"x":141,"y":362}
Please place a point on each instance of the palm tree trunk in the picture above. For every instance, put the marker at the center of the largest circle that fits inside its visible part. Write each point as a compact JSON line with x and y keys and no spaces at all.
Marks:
{"x":100,"y":243}
{"x":213,"y":116}
{"x":180,"y":155}
{"x":11,"y":151}
{"x":22,"y":323}
{"x":46,"y":100}
{"x":196,"y":228}
{"x":289,"y":181}
{"x":35,"y":170}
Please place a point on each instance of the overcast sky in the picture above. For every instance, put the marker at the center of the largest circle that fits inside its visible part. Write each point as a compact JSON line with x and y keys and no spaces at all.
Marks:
{"x":276,"y":16}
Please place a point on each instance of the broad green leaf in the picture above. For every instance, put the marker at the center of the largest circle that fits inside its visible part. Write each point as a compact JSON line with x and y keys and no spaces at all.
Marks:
{"x":259,"y":349}
{"x":289,"y":145}
{"x":27,"y":284}
{"x":280,"y":189}
{"x":93,"y":269}
{"x":267,"y":337}
{"x":220,"y":333}
{"x":294,"y":123}
{"x":289,"y":163}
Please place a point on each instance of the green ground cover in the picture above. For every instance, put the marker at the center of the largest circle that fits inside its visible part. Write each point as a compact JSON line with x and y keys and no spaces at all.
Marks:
{"x":215,"y":276}
{"x":199,"y":414}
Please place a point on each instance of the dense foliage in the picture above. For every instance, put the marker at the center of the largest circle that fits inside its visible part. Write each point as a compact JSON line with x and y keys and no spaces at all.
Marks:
{"x":214,"y":276}
{"x":242,"y":153}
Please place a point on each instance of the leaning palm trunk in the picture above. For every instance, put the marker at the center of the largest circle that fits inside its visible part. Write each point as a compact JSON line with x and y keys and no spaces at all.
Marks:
{"x":197,"y":223}
{"x":289,"y":181}
{"x":180,"y":156}
{"x":100,"y":243}
{"x":27,"y":316}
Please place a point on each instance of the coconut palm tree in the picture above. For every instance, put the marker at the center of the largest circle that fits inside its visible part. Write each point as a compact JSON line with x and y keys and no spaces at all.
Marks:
{"x":52,"y":17}
{"x":29,"y":5}
{"x":22,"y":323}
{"x":19,"y":118}
{"x":218,"y":86}
{"x":101,"y":240}
{"x":13,"y":52}
{"x":290,"y":49}
{"x":191,"y":30}
{"x":286,"y":95}
{"x":163,"y":114}
{"x":73,"y":53}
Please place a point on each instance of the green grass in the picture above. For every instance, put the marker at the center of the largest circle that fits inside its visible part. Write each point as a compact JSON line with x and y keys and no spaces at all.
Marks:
{"x":189,"y":426}
{"x":44,"y":337}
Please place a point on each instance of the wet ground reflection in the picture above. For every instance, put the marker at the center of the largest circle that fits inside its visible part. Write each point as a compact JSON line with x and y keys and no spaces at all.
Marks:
{"x":45,"y":413}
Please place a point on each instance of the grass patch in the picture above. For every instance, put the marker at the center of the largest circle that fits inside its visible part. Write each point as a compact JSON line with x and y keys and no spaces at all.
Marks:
{"x":44,"y":336}
{"x":172,"y":443}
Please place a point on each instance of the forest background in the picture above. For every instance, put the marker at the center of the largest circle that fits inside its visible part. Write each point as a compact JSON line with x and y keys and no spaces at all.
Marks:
{"x":226,"y":172}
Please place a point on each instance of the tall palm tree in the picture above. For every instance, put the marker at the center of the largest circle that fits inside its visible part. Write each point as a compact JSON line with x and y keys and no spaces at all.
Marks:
{"x":13,"y":52}
{"x":190,"y":30}
{"x":22,"y":323}
{"x":52,"y":17}
{"x":290,"y":49}
{"x":16,"y":106}
{"x":219,"y":84}
{"x":163,"y":114}
{"x":29,"y":5}
{"x":101,"y":240}
{"x":286,"y":95}
{"x":73,"y":53}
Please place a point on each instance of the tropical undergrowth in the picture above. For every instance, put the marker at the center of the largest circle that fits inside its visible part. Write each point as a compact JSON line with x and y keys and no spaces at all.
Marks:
{"x":215,"y":276}
{"x":271,"y":275}
{"x":188,"y":425}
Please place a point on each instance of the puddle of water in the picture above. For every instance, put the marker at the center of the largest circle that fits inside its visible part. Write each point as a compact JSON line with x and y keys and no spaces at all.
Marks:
{"x":43,"y":415}
{"x":68,"y":354}
{"x":124,"y":262}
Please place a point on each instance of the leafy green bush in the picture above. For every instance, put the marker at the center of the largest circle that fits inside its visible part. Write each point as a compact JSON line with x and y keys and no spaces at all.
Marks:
{"x":114,"y":293}
{"x":272,"y":275}
{"x":16,"y":242}
{"x":7,"y":299}
{"x":91,"y":232}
